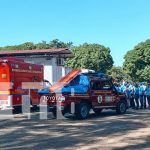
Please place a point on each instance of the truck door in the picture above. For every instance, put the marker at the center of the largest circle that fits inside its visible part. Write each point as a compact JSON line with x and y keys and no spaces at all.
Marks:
{"x":96,"y":94}
{"x":102,"y":94}
{"x":109,"y":94}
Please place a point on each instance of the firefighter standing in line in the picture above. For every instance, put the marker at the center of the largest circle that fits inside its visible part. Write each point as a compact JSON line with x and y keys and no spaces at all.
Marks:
{"x":144,"y":98}
{"x":131,"y":95}
{"x":147,"y":92}
{"x":136,"y":95}
{"x":141,"y":94}
{"x":122,"y":88}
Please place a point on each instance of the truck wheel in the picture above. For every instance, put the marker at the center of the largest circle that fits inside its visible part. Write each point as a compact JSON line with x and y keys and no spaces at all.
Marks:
{"x":17,"y":109}
{"x":121,"y":107}
{"x":34,"y":108}
{"x":55,"y":113}
{"x":97,"y":111}
{"x":83,"y":111}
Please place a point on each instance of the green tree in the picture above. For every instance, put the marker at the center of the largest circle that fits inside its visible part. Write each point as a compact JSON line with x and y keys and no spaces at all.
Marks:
{"x":41,"y":45}
{"x":118,"y":74}
{"x":91,"y":56}
{"x":137,"y":62}
{"x":59,"y":44}
{"x":28,"y":45}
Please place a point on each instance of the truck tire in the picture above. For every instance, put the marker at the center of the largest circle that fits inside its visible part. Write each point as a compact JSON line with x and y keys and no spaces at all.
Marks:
{"x":17,"y":109}
{"x":97,"y":111}
{"x":82,"y":111}
{"x":121,"y":107}
{"x":54,"y":112}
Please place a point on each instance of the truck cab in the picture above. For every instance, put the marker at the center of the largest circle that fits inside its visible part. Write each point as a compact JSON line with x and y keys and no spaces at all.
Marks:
{"x":86,"y":90}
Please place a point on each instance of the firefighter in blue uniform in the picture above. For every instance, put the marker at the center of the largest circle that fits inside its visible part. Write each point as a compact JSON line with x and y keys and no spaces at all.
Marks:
{"x":144,"y":98}
{"x":131,"y":95}
{"x":141,"y":94}
{"x":136,"y":95}
{"x":147,"y":92}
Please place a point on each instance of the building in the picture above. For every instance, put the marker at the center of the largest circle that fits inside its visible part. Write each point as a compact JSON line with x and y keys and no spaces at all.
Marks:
{"x":52,"y":59}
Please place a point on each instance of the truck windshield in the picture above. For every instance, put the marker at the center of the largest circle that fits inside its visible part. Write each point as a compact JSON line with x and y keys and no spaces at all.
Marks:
{"x":80,"y":80}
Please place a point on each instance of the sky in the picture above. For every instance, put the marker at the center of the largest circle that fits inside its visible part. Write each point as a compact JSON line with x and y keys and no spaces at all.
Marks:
{"x":117,"y":24}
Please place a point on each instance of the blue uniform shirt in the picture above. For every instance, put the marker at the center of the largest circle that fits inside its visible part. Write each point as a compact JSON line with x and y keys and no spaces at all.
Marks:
{"x":131,"y":89}
{"x":147,"y":91}
{"x":136,"y":90}
{"x":141,"y":90}
{"x":122,"y":88}
{"x":144,"y":89}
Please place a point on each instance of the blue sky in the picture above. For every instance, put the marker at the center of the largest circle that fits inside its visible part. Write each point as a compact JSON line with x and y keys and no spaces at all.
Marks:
{"x":118,"y":24}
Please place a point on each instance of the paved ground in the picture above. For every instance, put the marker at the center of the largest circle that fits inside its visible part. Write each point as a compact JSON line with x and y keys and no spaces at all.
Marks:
{"x":108,"y":131}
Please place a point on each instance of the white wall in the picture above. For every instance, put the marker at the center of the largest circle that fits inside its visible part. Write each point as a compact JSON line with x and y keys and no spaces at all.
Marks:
{"x":54,"y":73}
{"x":57,"y":73}
{"x":48,"y":73}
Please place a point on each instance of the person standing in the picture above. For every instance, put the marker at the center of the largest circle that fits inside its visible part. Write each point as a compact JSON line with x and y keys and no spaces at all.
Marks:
{"x":141,"y":94}
{"x":123,"y":88}
{"x":127,"y":92}
{"x":131,"y":95}
{"x":144,"y":97}
{"x":136,"y":95}
{"x":147,"y":92}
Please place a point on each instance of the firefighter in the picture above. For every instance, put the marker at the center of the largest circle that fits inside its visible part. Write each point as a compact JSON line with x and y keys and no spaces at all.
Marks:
{"x":147,"y":92}
{"x":123,"y":88}
{"x":127,"y":91}
{"x":131,"y":95}
{"x":144,"y":98}
{"x":141,"y":95}
{"x":136,"y":95}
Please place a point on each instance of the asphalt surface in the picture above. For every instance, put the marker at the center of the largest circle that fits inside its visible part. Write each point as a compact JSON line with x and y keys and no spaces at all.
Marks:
{"x":107,"y":132}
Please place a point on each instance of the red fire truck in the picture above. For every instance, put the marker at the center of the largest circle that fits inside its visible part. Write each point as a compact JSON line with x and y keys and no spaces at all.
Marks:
{"x":14,"y":72}
{"x":86,"y":90}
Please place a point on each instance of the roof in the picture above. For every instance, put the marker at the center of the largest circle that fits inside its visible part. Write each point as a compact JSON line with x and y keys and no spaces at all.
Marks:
{"x":35,"y":52}
{"x":6,"y":59}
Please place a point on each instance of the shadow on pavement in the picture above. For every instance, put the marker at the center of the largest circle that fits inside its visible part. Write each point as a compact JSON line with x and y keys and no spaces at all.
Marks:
{"x":98,"y":132}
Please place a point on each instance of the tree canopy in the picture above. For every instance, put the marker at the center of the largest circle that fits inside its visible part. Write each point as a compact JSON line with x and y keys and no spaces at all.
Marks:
{"x":137,"y":62}
{"x":118,"y":74}
{"x":41,"y":45}
{"x":91,"y":56}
